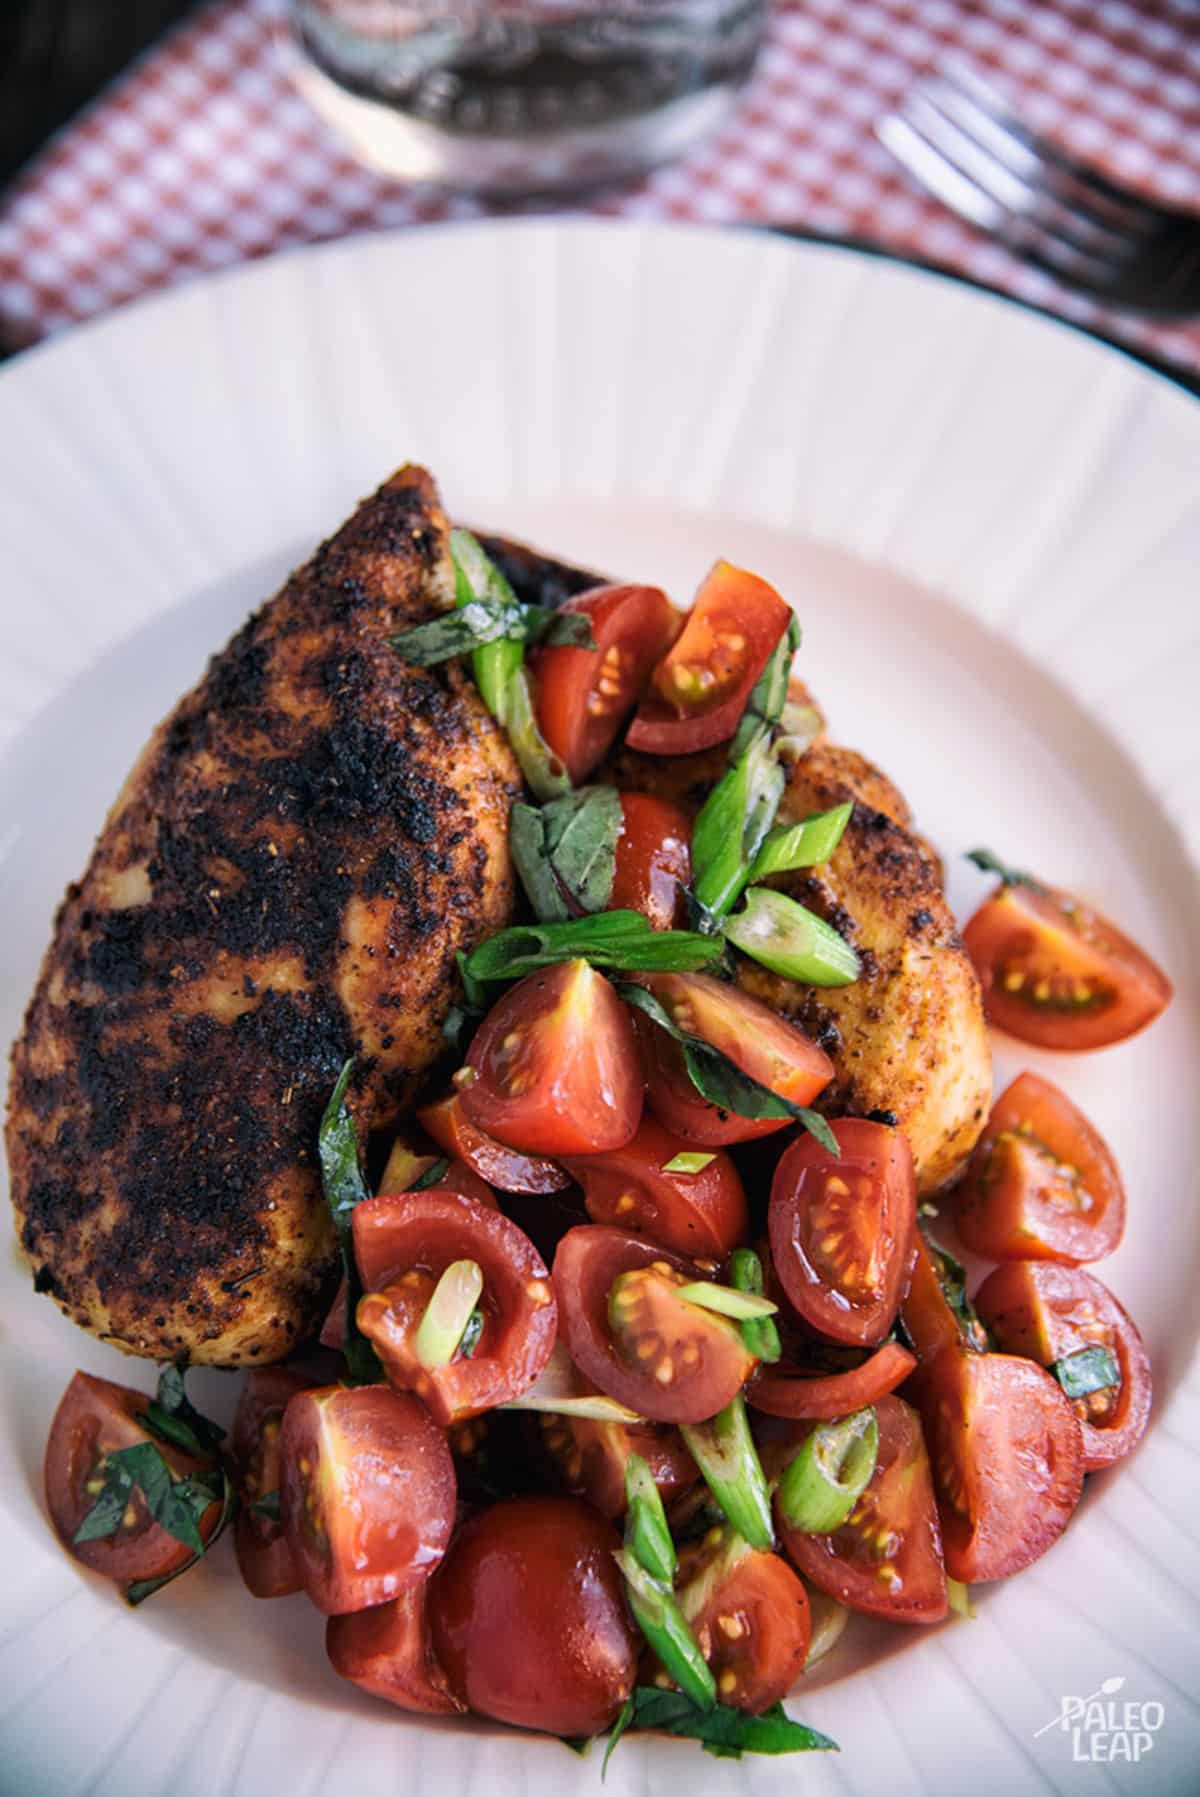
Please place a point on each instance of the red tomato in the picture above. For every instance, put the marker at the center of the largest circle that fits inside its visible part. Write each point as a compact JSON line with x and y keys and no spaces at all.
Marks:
{"x":555,"y":1065}
{"x":93,"y":1419}
{"x":583,"y":695}
{"x":749,"y":1614}
{"x":748,"y":1033}
{"x":263,"y":1555}
{"x":528,"y":1617}
{"x":702,"y":1214}
{"x":403,"y":1243}
{"x":843,"y":1230}
{"x":1042,"y":1183}
{"x":591,"y":1456}
{"x":387,"y":1651}
{"x":1058,"y":974}
{"x":886,"y":1558}
{"x":930,"y":1322}
{"x":1007,"y":1458}
{"x":447,"y":1122}
{"x":653,"y":861}
{"x":1048,"y":1312}
{"x":700,"y":688}
{"x":366,"y":1492}
{"x":792,"y":1392}
{"x":629,"y":1334}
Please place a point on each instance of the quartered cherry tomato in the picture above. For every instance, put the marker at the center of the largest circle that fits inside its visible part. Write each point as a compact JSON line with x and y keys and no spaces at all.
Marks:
{"x":447,"y":1122}
{"x":930,"y":1321}
{"x":591,"y":1456}
{"x":96,"y":1418}
{"x":403,"y":1243}
{"x":843,"y":1229}
{"x":1048,"y":1313}
{"x":757,"y":1040}
{"x":366,"y":1492}
{"x":583,"y":695}
{"x":702,"y":1214}
{"x":790,"y":1391}
{"x":653,"y":860}
{"x":1058,"y":974}
{"x":1042,"y":1183}
{"x":749,"y":1613}
{"x":699,"y":689}
{"x":886,"y":1558}
{"x":528,"y":1617}
{"x":263,"y":1555}
{"x":629,"y":1334}
{"x":387,"y":1651}
{"x":554,"y":1064}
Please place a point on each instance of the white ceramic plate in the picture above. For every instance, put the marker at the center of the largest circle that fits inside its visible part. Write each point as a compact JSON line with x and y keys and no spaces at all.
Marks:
{"x":991,"y":529}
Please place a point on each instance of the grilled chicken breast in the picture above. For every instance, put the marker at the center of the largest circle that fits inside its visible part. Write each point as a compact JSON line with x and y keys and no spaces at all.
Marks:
{"x":282,"y":882}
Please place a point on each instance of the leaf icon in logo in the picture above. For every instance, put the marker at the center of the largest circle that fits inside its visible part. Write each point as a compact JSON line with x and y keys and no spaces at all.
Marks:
{"x":1111,"y":1685}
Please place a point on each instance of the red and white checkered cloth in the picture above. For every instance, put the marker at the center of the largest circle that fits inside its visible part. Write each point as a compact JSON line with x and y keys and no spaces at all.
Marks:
{"x":205,"y":154}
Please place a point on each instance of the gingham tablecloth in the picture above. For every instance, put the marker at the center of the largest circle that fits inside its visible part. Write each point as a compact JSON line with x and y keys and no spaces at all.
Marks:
{"x":205,"y":153}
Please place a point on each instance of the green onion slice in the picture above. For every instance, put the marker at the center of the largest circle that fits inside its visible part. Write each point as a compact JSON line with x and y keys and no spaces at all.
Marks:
{"x":724,"y":1451}
{"x":958,"y":1597}
{"x":790,"y":940}
{"x":647,"y":1533}
{"x":744,"y":1306}
{"x":732,"y":825}
{"x":544,"y":772}
{"x":656,"y":1612}
{"x":558,"y":1391}
{"x":448,"y":1313}
{"x":1087,"y":1370}
{"x":760,"y":1334}
{"x":688,"y":1162}
{"x":808,"y":844}
{"x":821,"y":1485}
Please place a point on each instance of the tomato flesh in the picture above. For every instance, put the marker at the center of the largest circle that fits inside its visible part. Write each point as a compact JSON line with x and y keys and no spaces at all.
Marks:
{"x":387,"y":1651}
{"x":700,"y":688}
{"x":263,"y":1555}
{"x":749,"y":1613}
{"x":701,"y":1214}
{"x":583,"y":695}
{"x":652,"y":864}
{"x":1047,"y":1312}
{"x":590,"y":1458}
{"x":528,"y":1617}
{"x":1042,"y":1183}
{"x":790,"y":1391}
{"x":843,"y":1229}
{"x":1056,"y":973}
{"x":555,"y":1067}
{"x":366,"y":1492}
{"x":757,"y":1040}
{"x":447,"y":1122}
{"x":886,"y":1559}
{"x":403,"y":1243}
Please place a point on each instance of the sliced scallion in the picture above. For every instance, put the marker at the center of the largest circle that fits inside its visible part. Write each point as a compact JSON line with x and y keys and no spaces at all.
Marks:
{"x":656,"y":1612}
{"x":448,"y":1313}
{"x":545,"y":774}
{"x":732,"y":825}
{"x":743,"y":1306}
{"x":760,"y":1334}
{"x":1086,"y":1370}
{"x":807,"y":844}
{"x":477,"y":577}
{"x":822,"y":1483}
{"x":687,"y":1162}
{"x":790,"y":940}
{"x":558,"y":1391}
{"x":647,"y":1534}
{"x":724,"y":1450}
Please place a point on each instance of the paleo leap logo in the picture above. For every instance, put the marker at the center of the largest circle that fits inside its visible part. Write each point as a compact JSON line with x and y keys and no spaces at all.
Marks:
{"x":1102,"y":1730}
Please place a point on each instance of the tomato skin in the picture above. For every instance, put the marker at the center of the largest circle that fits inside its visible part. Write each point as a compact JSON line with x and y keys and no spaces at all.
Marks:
{"x":387,"y":1651}
{"x":1056,"y":973}
{"x":699,"y":689}
{"x":1047,"y":1312}
{"x":95,"y":1417}
{"x":556,"y":1071}
{"x":886,"y":1559}
{"x":366,"y":1492}
{"x":590,"y":1458}
{"x":263,"y":1555}
{"x":528,"y":1617}
{"x":497,"y":1165}
{"x":399,"y":1237}
{"x":701,"y":1214}
{"x":723,"y":1584}
{"x":579,"y":718}
{"x":843,"y":1230}
{"x":788,"y":1391}
{"x":653,"y":860}
{"x":1042,"y":1183}
{"x":588,"y":1261}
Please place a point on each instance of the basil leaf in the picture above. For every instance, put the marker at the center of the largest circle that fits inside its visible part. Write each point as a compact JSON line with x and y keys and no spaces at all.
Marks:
{"x":558,"y":629}
{"x":344,"y":1188}
{"x":624,"y":1719}
{"x":768,"y":695}
{"x":988,"y":863}
{"x":1087,"y":1370}
{"x":175,"y":1504}
{"x":460,"y":1025}
{"x":430,"y":1176}
{"x":469,"y":1340}
{"x":453,"y":634}
{"x":578,"y":1744}
{"x":173,"y":1417}
{"x":611,"y":939}
{"x":527,"y":843}
{"x":725,"y":1732}
{"x":267,"y":1505}
{"x":141,"y":1589}
{"x":580,"y":834}
{"x":952,"y":1277}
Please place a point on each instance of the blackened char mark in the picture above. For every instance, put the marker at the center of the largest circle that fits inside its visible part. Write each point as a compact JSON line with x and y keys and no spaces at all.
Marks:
{"x":539,"y":579}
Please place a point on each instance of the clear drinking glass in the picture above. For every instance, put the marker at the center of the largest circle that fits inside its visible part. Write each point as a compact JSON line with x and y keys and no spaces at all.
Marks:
{"x":524,"y":96}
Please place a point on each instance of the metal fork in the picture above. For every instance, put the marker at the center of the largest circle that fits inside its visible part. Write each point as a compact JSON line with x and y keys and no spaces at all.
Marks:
{"x":962,"y":142}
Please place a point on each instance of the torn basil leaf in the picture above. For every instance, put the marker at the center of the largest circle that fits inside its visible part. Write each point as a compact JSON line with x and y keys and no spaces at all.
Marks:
{"x":430,"y":1176}
{"x":580,"y":834}
{"x":172,"y":1416}
{"x":453,"y":634}
{"x":267,"y":1506}
{"x":725,"y":1732}
{"x":612,"y":939}
{"x":344,"y":1188}
{"x":952,"y":1277}
{"x":527,"y":843}
{"x":177,"y":1505}
{"x":1087,"y":1370}
{"x":141,"y":1589}
{"x":988,"y":863}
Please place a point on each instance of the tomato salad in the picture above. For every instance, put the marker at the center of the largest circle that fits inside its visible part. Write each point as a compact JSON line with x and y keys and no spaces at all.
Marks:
{"x":621,"y":1419}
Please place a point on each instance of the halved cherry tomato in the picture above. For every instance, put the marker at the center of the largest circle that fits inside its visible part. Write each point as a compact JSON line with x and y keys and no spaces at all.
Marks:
{"x":699,"y":689}
{"x":629,"y":1334}
{"x":1058,"y":974}
{"x":1007,"y":1458}
{"x":263,"y":1555}
{"x":447,"y":1122}
{"x":1042,"y":1183}
{"x":403,"y":1243}
{"x":528,"y":1617}
{"x":387,"y":1651}
{"x":1047,"y":1312}
{"x":929,"y":1319}
{"x":96,"y":1418}
{"x":591,"y":1456}
{"x":555,"y":1066}
{"x":702,"y":1214}
{"x":790,"y":1391}
{"x":749,"y":1613}
{"x":843,"y":1230}
{"x":886,"y":1559}
{"x":366,"y":1492}
{"x":653,"y":860}
{"x":757,"y":1040}
{"x":583,"y":695}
